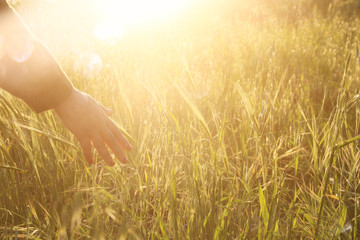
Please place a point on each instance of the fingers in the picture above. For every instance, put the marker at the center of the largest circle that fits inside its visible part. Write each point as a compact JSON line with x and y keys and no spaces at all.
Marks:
{"x":101,"y":148}
{"x":86,"y":148}
{"x":107,"y":111}
{"x":119,"y":136}
{"x":102,"y":132}
{"x":114,"y":145}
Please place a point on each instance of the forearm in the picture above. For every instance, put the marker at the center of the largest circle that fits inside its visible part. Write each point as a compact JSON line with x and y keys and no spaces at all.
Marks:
{"x":37,"y":78}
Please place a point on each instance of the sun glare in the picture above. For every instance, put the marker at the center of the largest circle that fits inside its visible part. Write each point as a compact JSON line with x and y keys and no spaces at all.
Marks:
{"x":118,"y":15}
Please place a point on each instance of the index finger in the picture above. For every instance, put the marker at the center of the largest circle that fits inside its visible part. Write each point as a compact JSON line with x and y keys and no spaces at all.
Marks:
{"x":86,"y":147}
{"x":114,"y":145}
{"x":101,"y":148}
{"x":119,"y":136}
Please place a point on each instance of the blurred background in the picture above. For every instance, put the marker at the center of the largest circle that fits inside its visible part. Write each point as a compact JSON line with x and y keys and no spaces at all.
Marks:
{"x":86,"y":29}
{"x":244,"y":117}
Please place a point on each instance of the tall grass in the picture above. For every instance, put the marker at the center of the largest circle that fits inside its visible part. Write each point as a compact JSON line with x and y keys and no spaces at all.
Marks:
{"x":245,"y":125}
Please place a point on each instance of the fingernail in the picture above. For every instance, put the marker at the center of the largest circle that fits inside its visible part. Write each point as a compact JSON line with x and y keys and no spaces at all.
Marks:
{"x":125,"y":160}
{"x":129,"y":147}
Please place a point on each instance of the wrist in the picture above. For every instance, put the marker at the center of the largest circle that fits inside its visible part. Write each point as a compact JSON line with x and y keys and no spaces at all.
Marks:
{"x":74,"y":97}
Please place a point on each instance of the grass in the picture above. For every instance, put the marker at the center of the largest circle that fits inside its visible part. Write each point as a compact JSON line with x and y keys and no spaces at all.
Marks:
{"x":244,"y":121}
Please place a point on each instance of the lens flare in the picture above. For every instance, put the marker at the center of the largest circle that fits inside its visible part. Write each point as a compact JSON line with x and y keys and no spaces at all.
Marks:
{"x":88,"y":65}
{"x":20,"y":47}
{"x":108,"y":30}
{"x":118,"y":15}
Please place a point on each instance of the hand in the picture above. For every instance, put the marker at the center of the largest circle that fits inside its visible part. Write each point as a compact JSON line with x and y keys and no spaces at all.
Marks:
{"x":88,"y":121}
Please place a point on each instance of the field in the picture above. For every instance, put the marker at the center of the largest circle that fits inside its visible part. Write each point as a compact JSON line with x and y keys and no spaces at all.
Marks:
{"x":244,"y":117}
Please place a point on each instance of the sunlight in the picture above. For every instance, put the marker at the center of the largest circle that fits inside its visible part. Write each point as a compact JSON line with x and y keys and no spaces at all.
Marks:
{"x":118,"y":15}
{"x":20,"y":47}
{"x":2,"y":47}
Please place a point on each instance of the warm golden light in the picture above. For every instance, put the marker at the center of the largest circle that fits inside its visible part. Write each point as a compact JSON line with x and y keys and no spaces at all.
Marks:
{"x":118,"y":15}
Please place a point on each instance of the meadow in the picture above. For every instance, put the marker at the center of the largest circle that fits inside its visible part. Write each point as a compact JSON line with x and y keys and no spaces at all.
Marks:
{"x":244,"y":117}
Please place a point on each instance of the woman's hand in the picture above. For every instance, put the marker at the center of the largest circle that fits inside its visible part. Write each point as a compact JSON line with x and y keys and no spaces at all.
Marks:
{"x":89,"y":122}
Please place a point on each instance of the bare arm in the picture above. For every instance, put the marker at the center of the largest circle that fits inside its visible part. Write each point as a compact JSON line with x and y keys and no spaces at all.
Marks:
{"x":28,"y":69}
{"x":41,"y":83}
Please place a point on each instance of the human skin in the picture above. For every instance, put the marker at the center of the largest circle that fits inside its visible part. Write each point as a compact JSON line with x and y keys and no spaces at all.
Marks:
{"x":42,"y":84}
{"x":90,"y":123}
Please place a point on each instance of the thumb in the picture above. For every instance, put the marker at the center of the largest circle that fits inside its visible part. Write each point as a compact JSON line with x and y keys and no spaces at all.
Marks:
{"x":107,"y":111}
